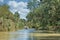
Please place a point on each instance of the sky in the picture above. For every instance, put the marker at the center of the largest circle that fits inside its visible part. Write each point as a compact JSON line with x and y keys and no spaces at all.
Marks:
{"x":19,"y":6}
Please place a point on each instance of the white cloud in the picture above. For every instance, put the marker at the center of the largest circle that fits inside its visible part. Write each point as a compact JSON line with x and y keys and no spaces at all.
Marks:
{"x":1,"y":0}
{"x":12,"y":3}
{"x":21,"y":7}
{"x":38,"y":0}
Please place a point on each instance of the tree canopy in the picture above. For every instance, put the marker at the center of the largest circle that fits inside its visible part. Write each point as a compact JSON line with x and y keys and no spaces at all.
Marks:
{"x":46,"y":16}
{"x":8,"y":20}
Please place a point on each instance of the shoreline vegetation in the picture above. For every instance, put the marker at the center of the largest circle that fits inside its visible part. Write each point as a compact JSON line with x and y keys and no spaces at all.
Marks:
{"x":9,"y":21}
{"x":43,"y":15}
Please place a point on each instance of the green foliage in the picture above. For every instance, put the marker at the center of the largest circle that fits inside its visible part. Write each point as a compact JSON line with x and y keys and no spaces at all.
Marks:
{"x":46,"y":16}
{"x":8,"y":20}
{"x":32,"y":4}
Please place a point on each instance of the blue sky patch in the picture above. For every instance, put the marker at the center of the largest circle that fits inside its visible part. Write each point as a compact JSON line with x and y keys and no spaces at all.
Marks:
{"x":19,"y":6}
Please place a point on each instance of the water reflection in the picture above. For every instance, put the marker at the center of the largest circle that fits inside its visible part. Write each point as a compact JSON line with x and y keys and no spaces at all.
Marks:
{"x":29,"y":35}
{"x":22,"y":34}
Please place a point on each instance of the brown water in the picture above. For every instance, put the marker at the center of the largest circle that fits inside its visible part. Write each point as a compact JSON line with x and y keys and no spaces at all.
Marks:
{"x":4,"y":36}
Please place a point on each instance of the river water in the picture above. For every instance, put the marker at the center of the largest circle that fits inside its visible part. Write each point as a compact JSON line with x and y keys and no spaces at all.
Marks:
{"x":24,"y":34}
{"x":28,"y":34}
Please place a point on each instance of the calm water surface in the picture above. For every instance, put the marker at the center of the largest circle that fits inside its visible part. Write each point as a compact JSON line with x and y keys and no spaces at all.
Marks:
{"x":29,"y":35}
{"x":26,"y":35}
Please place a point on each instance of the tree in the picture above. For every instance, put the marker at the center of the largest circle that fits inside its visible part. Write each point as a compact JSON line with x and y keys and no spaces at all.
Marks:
{"x":10,"y":21}
{"x":47,"y":15}
{"x":7,"y":18}
{"x":4,"y":12}
{"x":19,"y":23}
{"x":32,"y":4}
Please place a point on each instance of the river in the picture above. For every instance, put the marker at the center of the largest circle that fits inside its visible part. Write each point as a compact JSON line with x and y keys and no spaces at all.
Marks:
{"x":28,"y":34}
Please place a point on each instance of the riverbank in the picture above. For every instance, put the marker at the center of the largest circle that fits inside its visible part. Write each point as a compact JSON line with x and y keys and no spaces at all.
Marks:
{"x":4,"y":36}
{"x":45,"y":34}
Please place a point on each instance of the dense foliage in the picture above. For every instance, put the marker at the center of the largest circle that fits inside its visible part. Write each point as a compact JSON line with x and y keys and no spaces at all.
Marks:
{"x":43,"y":15}
{"x":8,"y":20}
{"x":46,"y":16}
